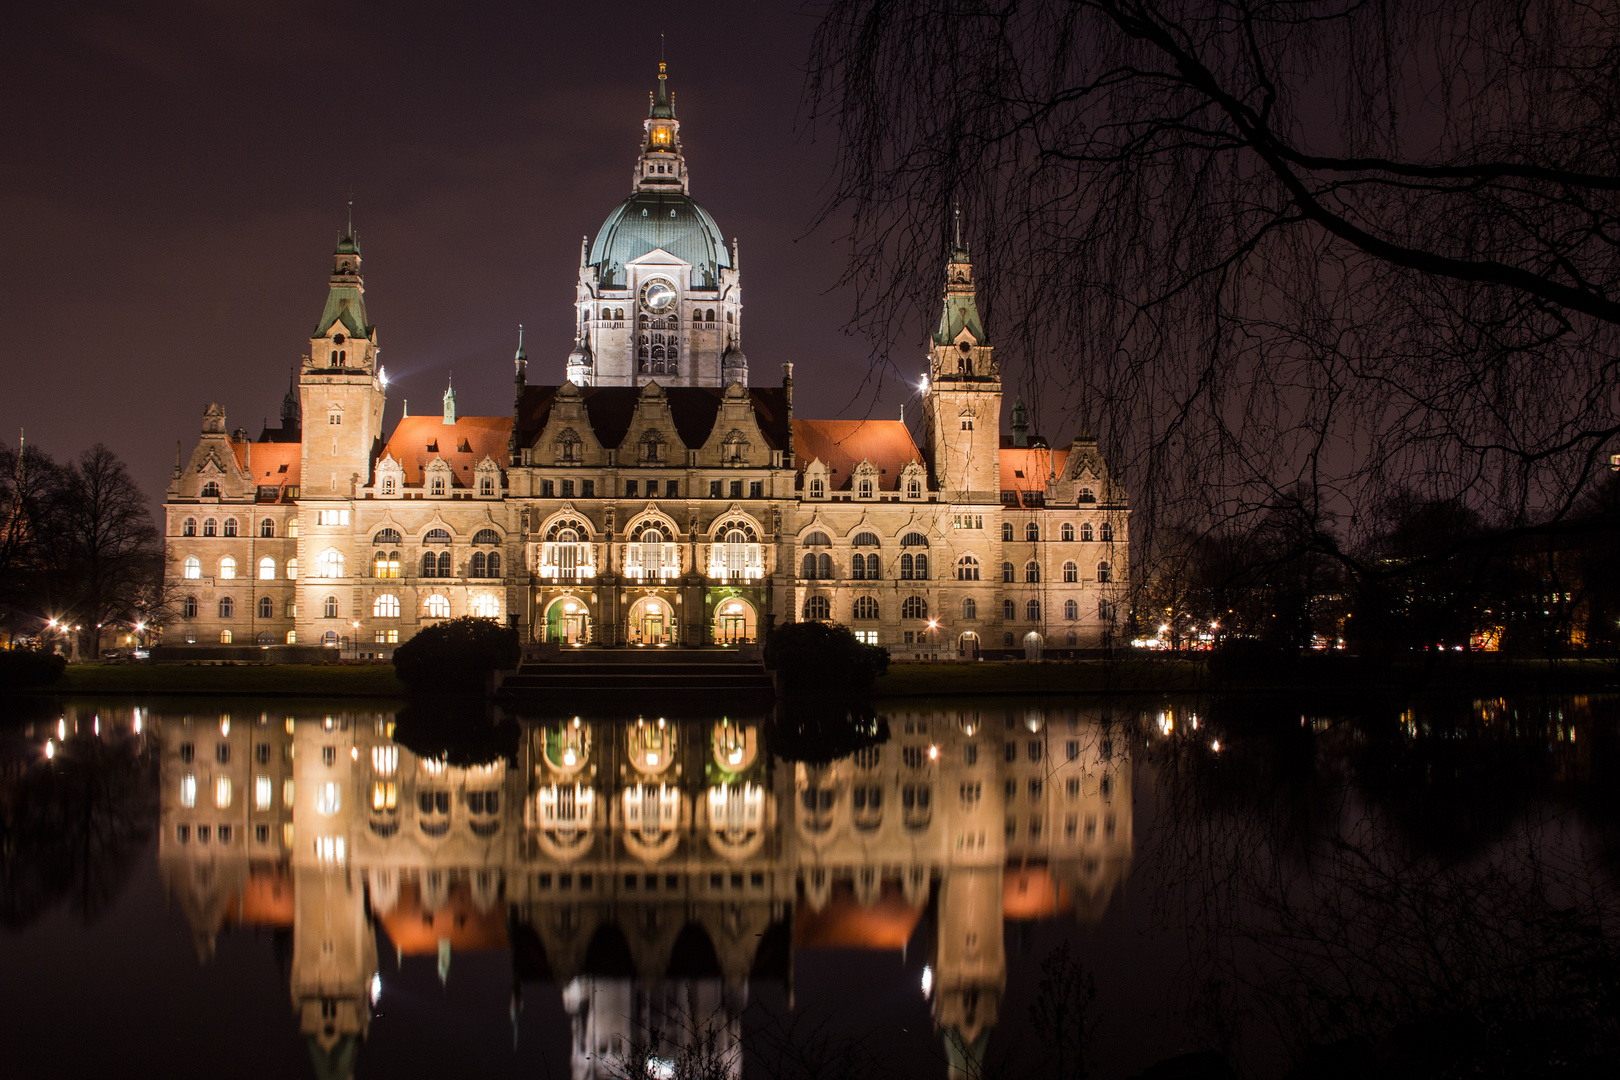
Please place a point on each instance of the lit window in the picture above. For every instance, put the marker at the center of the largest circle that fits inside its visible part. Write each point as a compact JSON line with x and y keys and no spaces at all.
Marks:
{"x":262,"y":792}
{"x":227,"y":567}
{"x":222,"y":793}
{"x":267,"y":569}
{"x":438,"y":607}
{"x":385,"y":606}
{"x":330,"y":564}
{"x":224,"y":637}
{"x":188,"y":791}
{"x":329,"y":609}
{"x":193,"y":567}
{"x":328,"y":798}
{"x":384,"y":760}
{"x":292,"y":569}
{"x":485,"y":606}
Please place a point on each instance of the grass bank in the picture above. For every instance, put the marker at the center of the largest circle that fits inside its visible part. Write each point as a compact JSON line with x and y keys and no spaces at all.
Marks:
{"x":269,"y":680}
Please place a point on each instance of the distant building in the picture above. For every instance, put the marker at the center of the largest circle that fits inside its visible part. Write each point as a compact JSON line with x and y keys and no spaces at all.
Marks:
{"x":652,"y":495}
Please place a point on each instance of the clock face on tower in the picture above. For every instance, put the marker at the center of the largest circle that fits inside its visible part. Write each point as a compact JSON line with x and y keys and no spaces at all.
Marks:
{"x":657,"y":295}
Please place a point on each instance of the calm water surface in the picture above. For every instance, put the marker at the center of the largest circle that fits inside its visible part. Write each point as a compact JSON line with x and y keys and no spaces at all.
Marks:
{"x":274,"y":888}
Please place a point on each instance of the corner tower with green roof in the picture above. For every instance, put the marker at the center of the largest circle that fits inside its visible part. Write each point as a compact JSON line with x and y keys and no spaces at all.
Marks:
{"x":962,"y":402}
{"x":659,"y":296}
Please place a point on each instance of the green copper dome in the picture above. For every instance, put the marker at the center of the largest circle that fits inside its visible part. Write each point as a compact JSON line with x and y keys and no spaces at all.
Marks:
{"x":659,"y":219}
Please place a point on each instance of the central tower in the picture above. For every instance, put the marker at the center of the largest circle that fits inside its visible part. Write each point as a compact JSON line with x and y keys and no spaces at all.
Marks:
{"x":659,"y":296}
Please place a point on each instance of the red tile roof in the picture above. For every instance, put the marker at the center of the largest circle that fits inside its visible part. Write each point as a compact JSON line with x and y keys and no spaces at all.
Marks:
{"x":843,"y":444}
{"x":1037,"y":463}
{"x":270,"y":464}
{"x":482,"y":436}
{"x":416,"y":932}
{"x":844,"y":924}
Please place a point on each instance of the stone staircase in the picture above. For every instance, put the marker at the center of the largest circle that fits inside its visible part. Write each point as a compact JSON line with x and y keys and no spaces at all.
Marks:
{"x":593,"y":670}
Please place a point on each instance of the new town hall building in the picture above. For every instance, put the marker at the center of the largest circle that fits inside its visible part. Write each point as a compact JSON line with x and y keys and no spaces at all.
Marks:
{"x":654,"y":496}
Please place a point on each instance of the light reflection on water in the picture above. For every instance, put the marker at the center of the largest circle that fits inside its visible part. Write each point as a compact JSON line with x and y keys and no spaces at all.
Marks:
{"x":654,"y":875}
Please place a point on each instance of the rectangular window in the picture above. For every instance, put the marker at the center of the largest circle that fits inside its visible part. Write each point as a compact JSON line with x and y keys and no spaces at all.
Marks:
{"x":1035,"y":828}
{"x":1012,"y":752}
{"x":1070,"y":827}
{"x":224,"y":834}
{"x":567,"y":489}
{"x":970,"y":754}
{"x":1034,"y":790}
{"x":587,"y":489}
{"x":736,"y":489}
{"x":261,"y":833}
{"x":182,"y":833}
{"x":287,"y":794}
{"x":867,"y":637}
{"x":188,"y":791}
{"x":261,"y":792}
{"x":756,"y":489}
{"x":672,"y":489}
{"x":548,"y":489}
{"x":714,"y":489}
{"x":1074,"y":749}
{"x":1072,"y":788}
{"x":630,"y":488}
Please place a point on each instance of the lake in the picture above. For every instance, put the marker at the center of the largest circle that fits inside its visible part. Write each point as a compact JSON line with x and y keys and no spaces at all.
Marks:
{"x":282,"y":887}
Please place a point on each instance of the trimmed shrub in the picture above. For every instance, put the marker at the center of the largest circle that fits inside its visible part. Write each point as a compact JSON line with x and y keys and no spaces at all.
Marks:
{"x":456,"y":656}
{"x":21,"y":669}
{"x":815,"y":659}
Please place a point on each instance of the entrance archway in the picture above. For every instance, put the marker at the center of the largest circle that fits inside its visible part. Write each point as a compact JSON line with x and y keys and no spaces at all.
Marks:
{"x":735,"y":622}
{"x":1032,"y":646}
{"x":651,"y":622}
{"x":967,"y":646}
{"x":568,"y":621}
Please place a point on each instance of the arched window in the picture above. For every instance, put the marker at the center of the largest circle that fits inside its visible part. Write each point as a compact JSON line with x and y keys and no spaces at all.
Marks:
{"x":436,"y":536}
{"x":385,"y":606}
{"x":1086,"y":495}
{"x":913,"y":539}
{"x":1032,"y":571}
{"x":967,"y":568}
{"x":1009,"y":610}
{"x":865,"y":489}
{"x":329,"y":607}
{"x":908,"y":566}
{"x":193,"y":567}
{"x":866,"y":607}
{"x":210,"y":490}
{"x":817,"y":609}
{"x":807,"y":568}
{"x":225,"y":639}
{"x":1105,"y":533}
{"x":914,"y":607}
{"x":292,"y":569}
{"x":857,"y":567}
{"x":485,"y":606}
{"x":1032,"y":611}
{"x":476,"y":568}
{"x":492,"y":567}
{"x":818,"y":489}
{"x":387,"y":538}
{"x":824,"y":571}
{"x":189,"y":528}
{"x":708,"y":315}
{"x":437,"y":607}
{"x":1067,"y":532}
{"x":866,"y":539}
{"x":817,"y":539}
{"x":227,"y":568}
{"x":267,"y":528}
{"x":267,"y":569}
{"x":385,"y":564}
{"x":230,"y":526}
{"x":1006,"y":532}
{"x":486,"y":536}
{"x":1085,"y":533}
{"x":1071,"y":610}
{"x":913,"y":489}
{"x":430,"y":564}
{"x":921,"y":567}
{"x":330,"y":639}
{"x":444,"y":564}
{"x":1006,"y":571}
{"x":1069,"y":638}
{"x":188,"y":608}
{"x":329,"y":564}
{"x":267,"y":608}
{"x":1032,"y":532}
{"x":1105,"y":572}
{"x":970,"y":608}
{"x":227,"y":608}
{"x":438,"y":485}
{"x":210,"y":527}
{"x":1071,"y":572}
{"x":486,"y":485}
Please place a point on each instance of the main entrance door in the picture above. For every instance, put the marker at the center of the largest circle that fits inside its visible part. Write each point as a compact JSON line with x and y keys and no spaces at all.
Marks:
{"x":651,"y":621}
{"x":968,"y":646}
{"x":652,"y":629}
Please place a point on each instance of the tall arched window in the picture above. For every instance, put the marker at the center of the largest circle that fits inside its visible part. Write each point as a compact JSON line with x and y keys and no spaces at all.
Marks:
{"x":437,"y":607}
{"x":967,"y":568}
{"x":866,"y":607}
{"x":1032,"y":571}
{"x":1071,"y":572}
{"x":210,"y":490}
{"x":1009,"y":610}
{"x":1032,"y":611}
{"x":1071,"y":610}
{"x":189,"y":528}
{"x":492,"y":566}
{"x":817,"y":609}
{"x":227,"y":568}
{"x":824,"y":566}
{"x":1086,"y":495}
{"x":1006,"y":532}
{"x":193,"y":567}
{"x":921,"y":567}
{"x":908,"y":566}
{"x":267,"y":608}
{"x":188,"y":608}
{"x":1067,"y":532}
{"x":385,"y":606}
{"x":292,"y":569}
{"x":430,"y":564}
{"x":230,"y":526}
{"x":476,"y":569}
{"x":1032,"y":532}
{"x":385,"y":564}
{"x":329,"y":607}
{"x":1006,"y":571}
{"x":970,"y":608}
{"x":329,"y":564}
{"x":227,"y":608}
{"x":267,"y":569}
{"x":1105,"y":532}
{"x":267,"y":528}
{"x":444,"y":564}
{"x":1085,"y":533}
{"x":807,"y":568}
{"x":210,"y":527}
{"x":914,"y":607}
{"x":1105,"y":572}
{"x":857,"y":567}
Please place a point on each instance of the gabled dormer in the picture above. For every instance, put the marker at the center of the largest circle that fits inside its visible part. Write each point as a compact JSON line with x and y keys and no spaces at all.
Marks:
{"x":652,"y":438}
{"x":390,"y":481}
{"x":567,"y":437}
{"x":487,"y":479}
{"x":816,"y":481}
{"x":438,"y":478}
{"x":864,"y":485}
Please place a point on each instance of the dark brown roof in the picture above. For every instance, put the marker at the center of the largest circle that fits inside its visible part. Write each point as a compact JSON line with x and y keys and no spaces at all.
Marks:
{"x":611,"y":409}
{"x":843,"y":444}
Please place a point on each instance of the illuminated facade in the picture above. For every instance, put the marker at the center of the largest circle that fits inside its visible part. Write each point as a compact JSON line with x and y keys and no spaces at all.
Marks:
{"x":652,"y":496}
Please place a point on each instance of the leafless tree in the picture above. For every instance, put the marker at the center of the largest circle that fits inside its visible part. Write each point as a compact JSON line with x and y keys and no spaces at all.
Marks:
{"x":1282,"y":254}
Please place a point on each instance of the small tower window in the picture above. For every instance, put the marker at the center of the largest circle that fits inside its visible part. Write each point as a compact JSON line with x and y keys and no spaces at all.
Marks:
{"x":335,"y":419}
{"x":189,"y":528}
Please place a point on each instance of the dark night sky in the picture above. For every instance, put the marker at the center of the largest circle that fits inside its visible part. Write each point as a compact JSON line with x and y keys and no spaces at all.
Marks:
{"x":176,"y":173}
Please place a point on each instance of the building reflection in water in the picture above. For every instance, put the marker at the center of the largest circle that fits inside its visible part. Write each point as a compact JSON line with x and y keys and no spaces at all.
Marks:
{"x":650,"y":868}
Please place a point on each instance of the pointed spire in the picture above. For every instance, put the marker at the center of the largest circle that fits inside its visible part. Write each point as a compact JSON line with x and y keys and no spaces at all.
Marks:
{"x":661,"y":168}
{"x":450,"y":403}
{"x":1020,"y":424}
{"x":961,"y":310}
{"x":519,"y":357}
{"x":662,"y":107}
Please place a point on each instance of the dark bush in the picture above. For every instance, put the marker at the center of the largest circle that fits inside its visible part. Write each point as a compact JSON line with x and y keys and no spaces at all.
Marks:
{"x":455,"y":657}
{"x":814,"y":659}
{"x":821,"y":730}
{"x":461,"y":731}
{"x":21,"y":669}
{"x":1246,"y":659}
